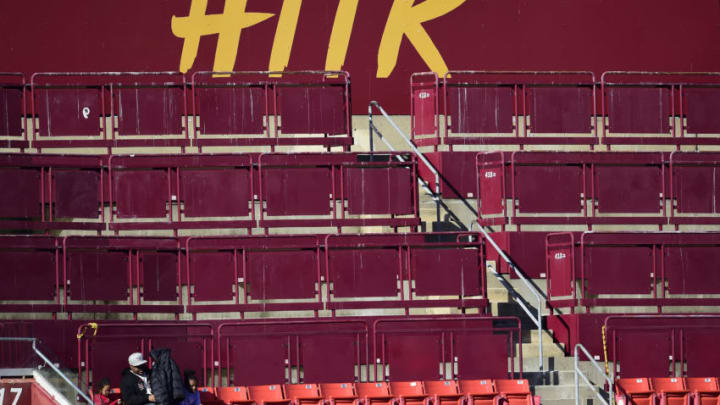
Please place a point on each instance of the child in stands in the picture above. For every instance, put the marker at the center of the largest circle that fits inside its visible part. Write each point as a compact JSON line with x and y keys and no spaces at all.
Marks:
{"x":192,"y":395}
{"x":102,"y":396}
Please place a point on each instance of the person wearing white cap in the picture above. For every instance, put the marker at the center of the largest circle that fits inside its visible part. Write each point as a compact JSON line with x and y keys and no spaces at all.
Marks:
{"x":135,"y":385}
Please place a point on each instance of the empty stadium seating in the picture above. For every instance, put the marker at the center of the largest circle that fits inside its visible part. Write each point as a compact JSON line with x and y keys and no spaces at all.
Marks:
{"x":46,"y":192}
{"x":672,"y":391}
{"x":279,"y":273}
{"x":444,"y":392}
{"x":181,"y":191}
{"x":632,"y":269}
{"x":663,"y":345}
{"x":659,"y":108}
{"x":269,"y":268}
{"x":479,"y":392}
{"x":582,"y":188}
{"x":378,"y":266}
{"x":516,"y":391}
{"x":693,"y":188}
{"x":31,"y":274}
{"x":705,"y":389}
{"x":636,"y":391}
{"x":527,"y":250}
{"x":105,"y":274}
{"x":315,"y":349}
{"x":203,"y":191}
{"x":375,"y":393}
{"x":302,"y":394}
{"x":73,"y":109}
{"x":254,"y":108}
{"x":158,"y":109}
{"x":304,"y":190}
{"x":232,"y":395}
{"x":490,"y":107}
{"x":339,"y":393}
{"x":414,"y":348}
{"x":13,"y":133}
{"x":458,"y":177}
{"x":669,"y":390}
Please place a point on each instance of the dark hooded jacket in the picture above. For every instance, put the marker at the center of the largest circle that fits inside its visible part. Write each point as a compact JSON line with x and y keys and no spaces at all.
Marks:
{"x":133,"y":389}
{"x":165,"y":378}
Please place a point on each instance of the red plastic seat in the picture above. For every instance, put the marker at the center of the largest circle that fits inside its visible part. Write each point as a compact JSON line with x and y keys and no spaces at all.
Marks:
{"x":410,"y":392}
{"x":302,"y":394}
{"x":478,"y":392}
{"x":444,"y":392}
{"x":636,"y":391}
{"x":339,"y":393}
{"x":232,"y":395}
{"x":704,"y":390}
{"x":375,"y":393}
{"x":671,"y":391}
{"x":267,"y":394}
{"x":516,"y":392}
{"x":208,"y":397}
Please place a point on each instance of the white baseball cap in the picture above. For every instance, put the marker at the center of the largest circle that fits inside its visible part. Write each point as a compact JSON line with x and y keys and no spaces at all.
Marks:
{"x":136,"y":359}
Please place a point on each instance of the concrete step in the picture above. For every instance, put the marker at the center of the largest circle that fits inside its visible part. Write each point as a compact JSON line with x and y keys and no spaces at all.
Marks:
{"x":498,"y":294}
{"x":564,"y":392}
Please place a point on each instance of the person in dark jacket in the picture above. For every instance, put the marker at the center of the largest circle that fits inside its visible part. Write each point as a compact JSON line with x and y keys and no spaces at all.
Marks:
{"x":165,"y":378}
{"x":135,"y":385}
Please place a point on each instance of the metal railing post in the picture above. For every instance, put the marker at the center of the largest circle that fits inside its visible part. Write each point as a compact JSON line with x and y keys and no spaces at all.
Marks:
{"x":48,"y":363}
{"x":434,"y":194}
{"x":536,"y":318}
{"x":579,"y":373}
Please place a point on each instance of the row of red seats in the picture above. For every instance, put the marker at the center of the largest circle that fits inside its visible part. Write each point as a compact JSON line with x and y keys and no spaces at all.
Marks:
{"x":171,"y":192}
{"x":469,"y":392}
{"x":667,"y":391}
{"x":254,"y":107}
{"x":597,"y":188}
{"x":531,"y":108}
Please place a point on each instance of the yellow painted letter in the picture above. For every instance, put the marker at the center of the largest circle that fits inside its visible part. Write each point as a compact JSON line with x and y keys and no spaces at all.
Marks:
{"x":406,"y":19}
{"x":284,"y":35}
{"x":340,"y":36}
{"x":227,"y":25}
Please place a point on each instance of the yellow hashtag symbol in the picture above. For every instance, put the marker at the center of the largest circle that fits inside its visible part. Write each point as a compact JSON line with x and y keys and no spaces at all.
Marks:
{"x":227,"y":26}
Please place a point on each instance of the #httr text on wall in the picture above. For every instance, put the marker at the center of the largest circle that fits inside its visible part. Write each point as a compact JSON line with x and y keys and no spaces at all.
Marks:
{"x":405,"y":19}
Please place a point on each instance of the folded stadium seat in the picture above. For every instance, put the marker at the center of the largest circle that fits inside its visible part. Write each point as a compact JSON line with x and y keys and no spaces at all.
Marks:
{"x":704,"y":390}
{"x":636,"y":391}
{"x":479,"y":392}
{"x":372,"y":393}
{"x":208,"y":397}
{"x":232,"y":395}
{"x":410,"y":392}
{"x":267,"y":394}
{"x":444,"y":392}
{"x":671,"y":391}
{"x":302,"y":394}
{"x":339,"y":393}
{"x":115,"y":394}
{"x":516,"y":392}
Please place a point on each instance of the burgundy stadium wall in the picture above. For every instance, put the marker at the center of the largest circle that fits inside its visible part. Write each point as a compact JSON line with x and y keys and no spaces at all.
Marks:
{"x":380,"y":42}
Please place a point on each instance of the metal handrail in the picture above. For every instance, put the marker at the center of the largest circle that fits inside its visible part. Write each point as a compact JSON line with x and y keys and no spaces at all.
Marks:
{"x":435,"y":195}
{"x":406,"y":139}
{"x":536,"y":318}
{"x":48,"y":362}
{"x":579,"y":372}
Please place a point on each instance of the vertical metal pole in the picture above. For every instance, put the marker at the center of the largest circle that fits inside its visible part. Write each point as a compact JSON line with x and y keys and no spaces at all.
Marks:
{"x":577,"y":387}
{"x":370,"y":127}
